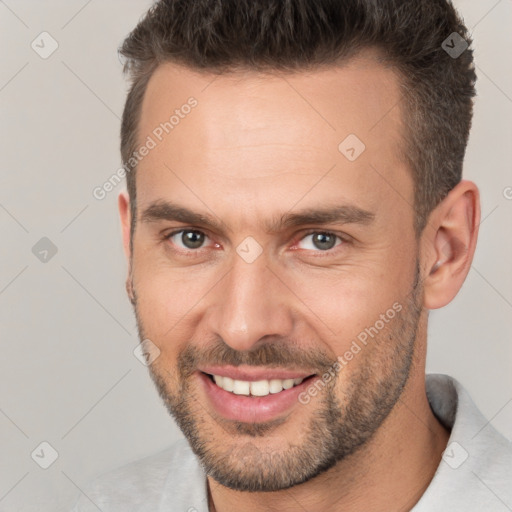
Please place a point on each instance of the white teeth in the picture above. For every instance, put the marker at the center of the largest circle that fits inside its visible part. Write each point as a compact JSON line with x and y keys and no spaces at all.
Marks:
{"x":255,"y":388}
{"x":241,"y":387}
{"x":288,"y":383}
{"x":260,"y":388}
{"x":228,"y":384}
{"x":276,"y":386}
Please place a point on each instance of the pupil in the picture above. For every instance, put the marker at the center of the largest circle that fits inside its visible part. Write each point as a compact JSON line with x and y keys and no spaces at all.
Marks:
{"x":321,"y":238}
{"x":192,"y":239}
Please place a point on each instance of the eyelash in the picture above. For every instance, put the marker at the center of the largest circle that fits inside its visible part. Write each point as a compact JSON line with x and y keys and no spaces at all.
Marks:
{"x":194,"y":252}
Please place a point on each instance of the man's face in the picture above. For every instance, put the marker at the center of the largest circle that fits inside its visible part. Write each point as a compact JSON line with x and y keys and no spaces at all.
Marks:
{"x":276,"y":300}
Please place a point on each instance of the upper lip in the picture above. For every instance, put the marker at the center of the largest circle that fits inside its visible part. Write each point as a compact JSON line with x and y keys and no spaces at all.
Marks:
{"x":250,"y":374}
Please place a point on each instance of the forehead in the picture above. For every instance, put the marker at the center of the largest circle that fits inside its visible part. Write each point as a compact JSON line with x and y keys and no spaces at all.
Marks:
{"x":272,"y":136}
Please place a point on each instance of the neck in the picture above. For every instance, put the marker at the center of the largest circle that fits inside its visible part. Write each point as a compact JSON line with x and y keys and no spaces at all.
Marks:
{"x":390,"y":472}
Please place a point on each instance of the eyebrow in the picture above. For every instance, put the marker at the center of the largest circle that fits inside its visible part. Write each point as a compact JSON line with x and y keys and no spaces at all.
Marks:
{"x":344,"y":214}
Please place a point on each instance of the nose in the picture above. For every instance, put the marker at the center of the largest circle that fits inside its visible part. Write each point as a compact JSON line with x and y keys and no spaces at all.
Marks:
{"x":249,"y":303}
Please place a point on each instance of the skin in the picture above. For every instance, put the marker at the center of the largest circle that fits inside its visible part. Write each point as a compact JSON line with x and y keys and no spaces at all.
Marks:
{"x":258,"y":146}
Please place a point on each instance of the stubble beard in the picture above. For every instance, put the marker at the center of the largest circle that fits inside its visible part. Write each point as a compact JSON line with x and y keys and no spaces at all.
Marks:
{"x":229,"y":451}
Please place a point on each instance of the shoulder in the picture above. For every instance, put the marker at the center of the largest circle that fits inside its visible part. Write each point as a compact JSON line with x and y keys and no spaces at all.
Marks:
{"x":475,"y":472}
{"x":143,"y":484}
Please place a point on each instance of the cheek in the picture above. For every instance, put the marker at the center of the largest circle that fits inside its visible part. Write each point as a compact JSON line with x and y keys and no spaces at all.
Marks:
{"x":167,"y":298}
{"x":342,"y":304}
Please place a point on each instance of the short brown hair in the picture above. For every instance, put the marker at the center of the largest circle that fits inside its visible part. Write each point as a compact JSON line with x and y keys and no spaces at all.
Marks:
{"x":293,"y":35}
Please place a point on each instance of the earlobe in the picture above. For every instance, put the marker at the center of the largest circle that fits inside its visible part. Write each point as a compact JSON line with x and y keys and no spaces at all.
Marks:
{"x":455,"y":221}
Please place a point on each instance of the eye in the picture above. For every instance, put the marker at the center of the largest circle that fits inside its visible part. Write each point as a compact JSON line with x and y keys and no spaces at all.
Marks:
{"x":189,"y":238}
{"x":321,"y":240}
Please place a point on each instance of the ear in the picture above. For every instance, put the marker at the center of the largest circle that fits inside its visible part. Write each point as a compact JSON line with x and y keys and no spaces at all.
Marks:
{"x":451,"y":237}
{"x":123,"y":203}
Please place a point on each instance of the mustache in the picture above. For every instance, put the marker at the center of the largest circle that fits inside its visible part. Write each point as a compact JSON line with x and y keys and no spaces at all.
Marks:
{"x":274,"y":354}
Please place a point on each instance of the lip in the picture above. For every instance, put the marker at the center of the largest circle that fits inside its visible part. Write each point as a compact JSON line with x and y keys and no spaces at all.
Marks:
{"x":252,"y":374}
{"x":251,"y":409}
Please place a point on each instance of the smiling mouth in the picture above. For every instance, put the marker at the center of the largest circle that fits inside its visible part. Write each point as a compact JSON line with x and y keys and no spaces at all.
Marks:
{"x":259,"y":388}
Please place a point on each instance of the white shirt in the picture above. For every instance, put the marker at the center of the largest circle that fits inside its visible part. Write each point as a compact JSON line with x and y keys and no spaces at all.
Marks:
{"x":475,"y":473}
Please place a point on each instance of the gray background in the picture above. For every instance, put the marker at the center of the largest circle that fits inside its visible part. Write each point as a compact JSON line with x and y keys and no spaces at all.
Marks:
{"x":68,"y":373}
